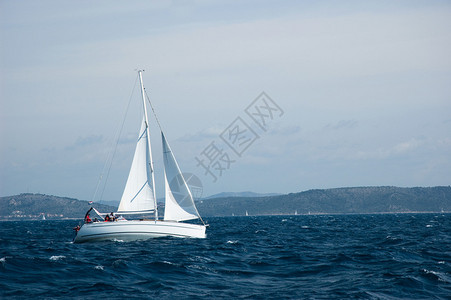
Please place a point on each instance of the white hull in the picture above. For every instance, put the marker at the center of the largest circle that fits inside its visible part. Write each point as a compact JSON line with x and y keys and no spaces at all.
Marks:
{"x":137,"y":230}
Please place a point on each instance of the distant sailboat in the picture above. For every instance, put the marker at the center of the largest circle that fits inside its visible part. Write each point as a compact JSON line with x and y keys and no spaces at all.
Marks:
{"x":139,"y":198}
{"x":43,"y":217}
{"x":247,"y":214}
{"x":296,"y":212}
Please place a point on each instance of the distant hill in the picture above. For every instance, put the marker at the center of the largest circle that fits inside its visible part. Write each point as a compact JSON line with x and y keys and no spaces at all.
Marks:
{"x":354,"y":200}
{"x":220,"y":195}
{"x":33,"y":206}
{"x":240,"y":194}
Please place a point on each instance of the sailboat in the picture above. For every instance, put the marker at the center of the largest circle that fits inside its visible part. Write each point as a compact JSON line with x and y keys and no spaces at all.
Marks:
{"x":139,"y":198}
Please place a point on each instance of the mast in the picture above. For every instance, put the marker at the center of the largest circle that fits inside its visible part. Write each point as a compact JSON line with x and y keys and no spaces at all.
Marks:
{"x":148,"y":140}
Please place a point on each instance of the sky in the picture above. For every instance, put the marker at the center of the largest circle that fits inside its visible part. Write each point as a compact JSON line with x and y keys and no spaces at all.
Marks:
{"x":355,"y":93}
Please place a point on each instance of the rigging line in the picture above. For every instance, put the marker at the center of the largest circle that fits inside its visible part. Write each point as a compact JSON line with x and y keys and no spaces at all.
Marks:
{"x":112,"y":154}
{"x":118,"y":137}
{"x":153,"y":110}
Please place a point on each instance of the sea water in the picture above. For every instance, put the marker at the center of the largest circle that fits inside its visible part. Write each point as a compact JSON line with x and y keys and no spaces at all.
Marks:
{"x":275,"y":257}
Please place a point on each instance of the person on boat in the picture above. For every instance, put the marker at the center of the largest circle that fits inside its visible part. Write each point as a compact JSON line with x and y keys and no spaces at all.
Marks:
{"x":88,"y":219}
{"x":76,"y":229}
{"x":107,"y":218}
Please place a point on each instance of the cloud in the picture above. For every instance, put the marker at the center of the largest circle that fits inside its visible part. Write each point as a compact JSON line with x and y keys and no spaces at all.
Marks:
{"x":129,"y":138}
{"x":206,"y":134}
{"x":84,"y":141}
{"x":406,"y":146}
{"x":399,"y":150}
{"x":286,"y":130}
{"x":342,"y":124}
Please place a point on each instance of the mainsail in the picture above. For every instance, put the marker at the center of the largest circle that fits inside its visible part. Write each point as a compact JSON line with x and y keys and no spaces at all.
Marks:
{"x":179,"y":203}
{"x":138,"y":194}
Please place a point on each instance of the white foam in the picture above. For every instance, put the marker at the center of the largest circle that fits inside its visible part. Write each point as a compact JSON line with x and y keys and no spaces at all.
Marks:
{"x":232,"y":242}
{"x":440,"y":276}
{"x":99,"y":268}
{"x":57,"y":257}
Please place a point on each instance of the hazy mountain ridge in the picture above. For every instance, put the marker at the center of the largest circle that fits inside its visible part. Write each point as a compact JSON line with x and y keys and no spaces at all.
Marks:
{"x":353,"y":200}
{"x":33,"y":206}
{"x":246,"y":194}
{"x":335,"y":201}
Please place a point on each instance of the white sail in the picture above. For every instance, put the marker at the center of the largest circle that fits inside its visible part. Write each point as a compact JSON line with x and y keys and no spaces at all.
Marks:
{"x":179,"y":205}
{"x":138,"y":194}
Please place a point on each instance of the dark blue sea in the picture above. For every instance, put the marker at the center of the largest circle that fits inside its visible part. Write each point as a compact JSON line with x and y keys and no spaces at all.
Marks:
{"x":279,"y":257}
